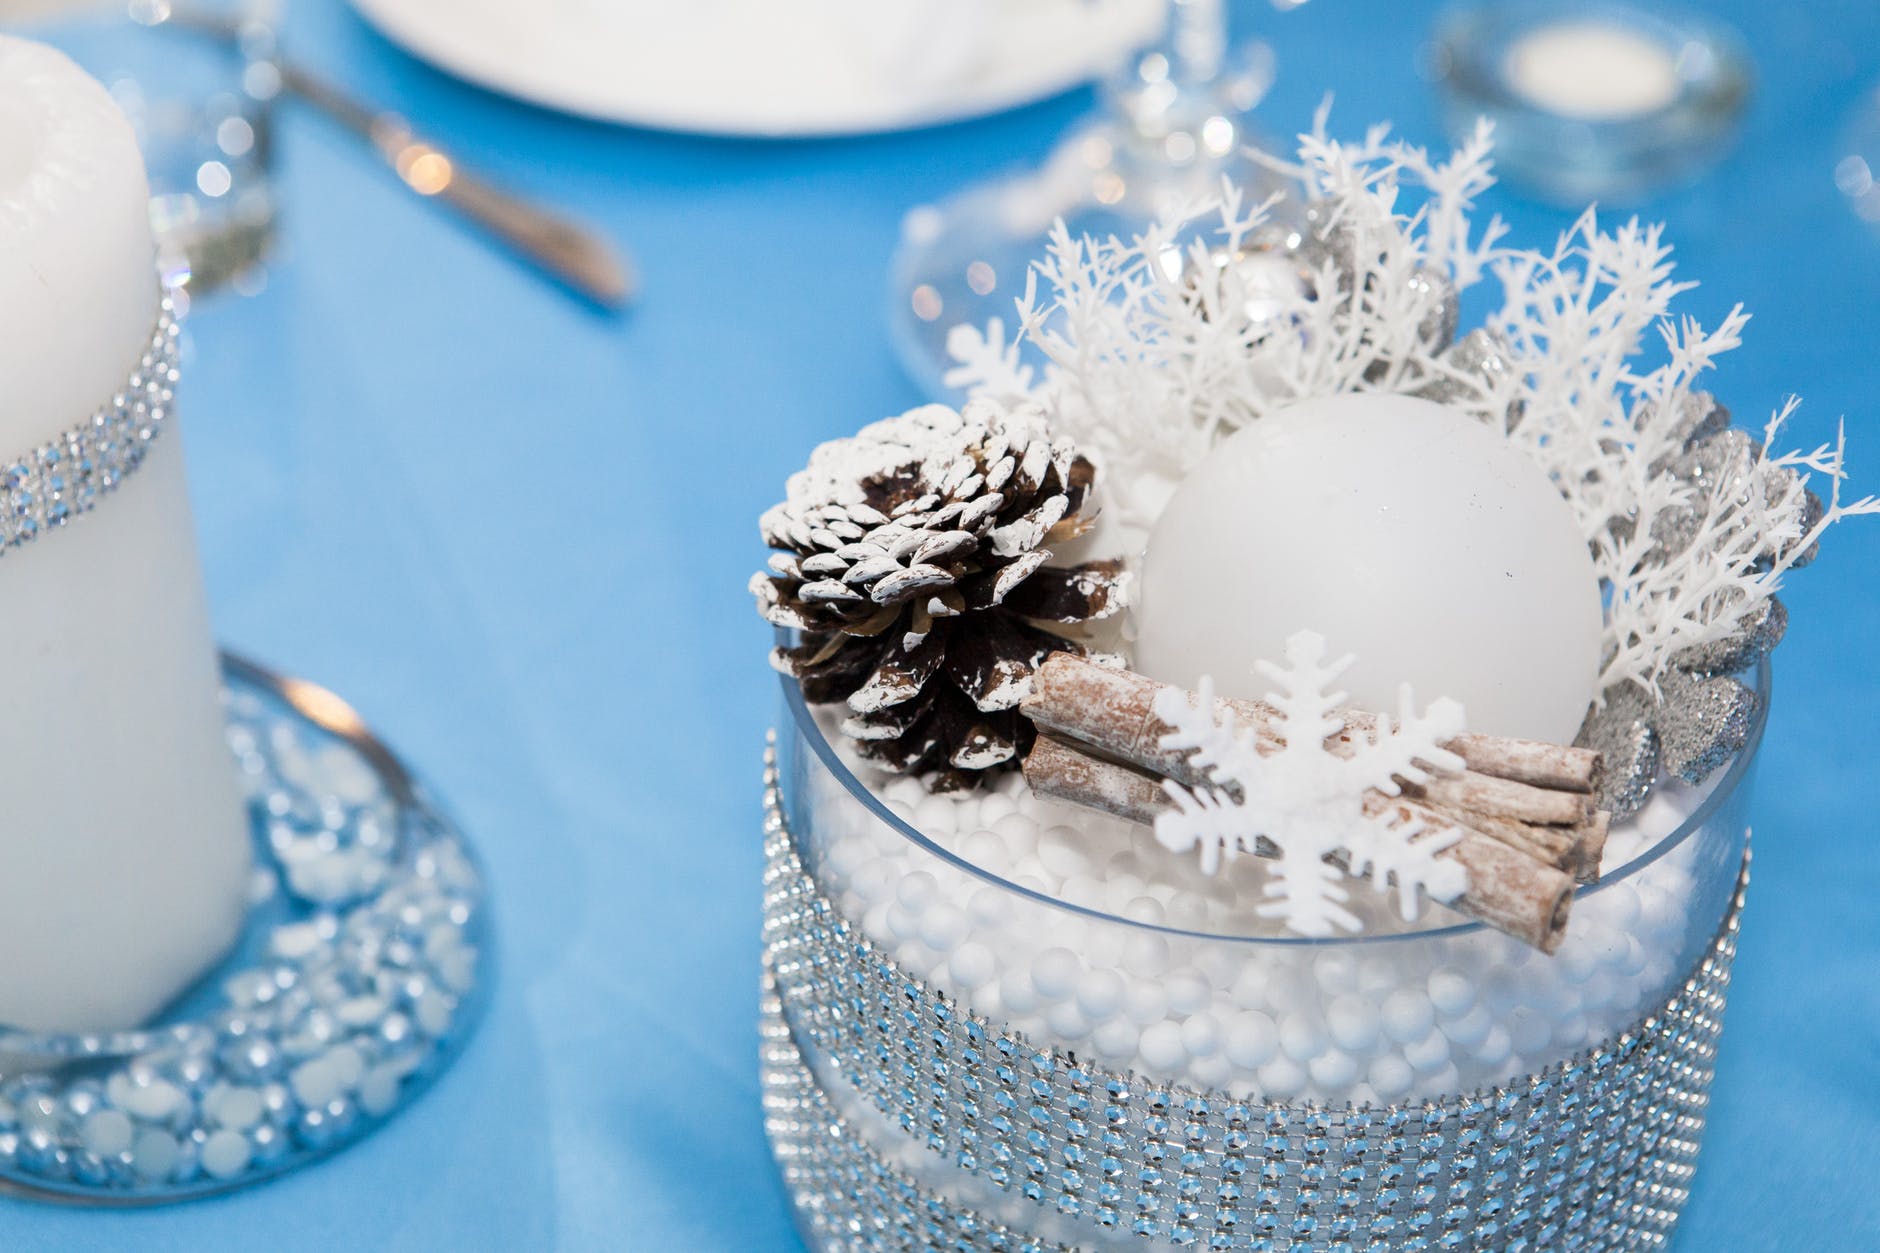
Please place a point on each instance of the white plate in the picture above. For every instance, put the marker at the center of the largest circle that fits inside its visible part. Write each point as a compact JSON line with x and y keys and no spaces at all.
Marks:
{"x":772,"y":67}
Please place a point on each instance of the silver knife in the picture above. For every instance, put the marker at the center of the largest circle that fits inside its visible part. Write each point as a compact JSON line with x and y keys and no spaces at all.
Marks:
{"x":563,"y":249}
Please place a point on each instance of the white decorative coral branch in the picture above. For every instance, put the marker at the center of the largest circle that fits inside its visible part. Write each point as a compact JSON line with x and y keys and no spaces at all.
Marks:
{"x":1151,"y":358}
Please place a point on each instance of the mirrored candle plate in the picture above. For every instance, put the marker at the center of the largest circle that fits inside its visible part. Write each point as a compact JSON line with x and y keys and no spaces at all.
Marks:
{"x":360,"y":975}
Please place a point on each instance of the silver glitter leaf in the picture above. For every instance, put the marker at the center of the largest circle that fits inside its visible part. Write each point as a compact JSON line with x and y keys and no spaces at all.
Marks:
{"x":1621,"y":732}
{"x":1756,"y":636}
{"x":1702,"y":722}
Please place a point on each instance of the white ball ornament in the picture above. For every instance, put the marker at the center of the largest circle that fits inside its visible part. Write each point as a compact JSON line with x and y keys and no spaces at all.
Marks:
{"x":1404,"y":532}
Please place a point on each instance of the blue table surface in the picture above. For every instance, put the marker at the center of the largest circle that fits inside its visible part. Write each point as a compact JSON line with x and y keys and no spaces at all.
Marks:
{"x":516,"y":533}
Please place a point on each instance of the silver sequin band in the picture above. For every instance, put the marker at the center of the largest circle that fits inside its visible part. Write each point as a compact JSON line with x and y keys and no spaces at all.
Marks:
{"x":60,"y":480}
{"x":902,"y":1122}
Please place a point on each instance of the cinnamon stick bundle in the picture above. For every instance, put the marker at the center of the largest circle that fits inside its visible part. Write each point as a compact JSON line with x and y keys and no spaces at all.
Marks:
{"x":1527,"y":826}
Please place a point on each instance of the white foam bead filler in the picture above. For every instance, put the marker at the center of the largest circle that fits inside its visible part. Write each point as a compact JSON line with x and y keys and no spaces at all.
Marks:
{"x":1428,"y":1054}
{"x":1333,"y":1070}
{"x":1188,"y":990}
{"x":1601,"y":991}
{"x":1221,"y":963}
{"x":1201,"y":1035}
{"x":1660,"y":817}
{"x":1300,"y":1038}
{"x":1468,"y":1028}
{"x":1067,"y":1022}
{"x":901,"y":810}
{"x":1060,"y":851}
{"x":1144,"y":1001}
{"x":1019,"y":833}
{"x":1577,"y":959}
{"x":1281,"y":1079}
{"x":1491,"y":594}
{"x":1289,"y":989}
{"x":1451,"y":991}
{"x":1529,"y":1031}
{"x":1146,"y":956}
{"x":1054,"y":973}
{"x":990,"y":907}
{"x":1032,"y":883}
{"x":1408,"y":1015}
{"x":943,"y":926}
{"x":1353,"y":1023}
{"x":934,"y":816}
{"x":1391,"y":1076}
{"x":1016,"y":991}
{"x":1187,"y":912}
{"x":1250,"y":1039}
{"x":1213,"y":1071}
{"x":1629,"y":960}
{"x":905,"y":788}
{"x":1571,"y":1032}
{"x":1249,"y":990}
{"x":1145,"y":909}
{"x":916,"y":890}
{"x":1117,"y":1039}
{"x":1100,"y":994}
{"x":1162,"y":1046}
{"x":903,"y":923}
{"x":994,"y":806}
{"x":1336,"y":972}
{"x":972,"y":965}
{"x":983,"y":849}
{"x":1127,"y":862}
{"x":1496,"y":1047}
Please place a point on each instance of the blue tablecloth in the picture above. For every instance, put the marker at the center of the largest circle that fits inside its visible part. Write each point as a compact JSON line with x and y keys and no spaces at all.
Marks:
{"x":516,"y":533}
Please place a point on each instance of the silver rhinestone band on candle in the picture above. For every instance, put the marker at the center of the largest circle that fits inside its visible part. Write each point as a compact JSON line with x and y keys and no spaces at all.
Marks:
{"x":47,"y":487}
{"x":1595,"y":1152}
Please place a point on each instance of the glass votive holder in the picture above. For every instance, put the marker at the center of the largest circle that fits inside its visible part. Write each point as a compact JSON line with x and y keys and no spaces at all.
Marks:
{"x":959,"y":1011}
{"x":1593,"y":99}
{"x":198,"y":84}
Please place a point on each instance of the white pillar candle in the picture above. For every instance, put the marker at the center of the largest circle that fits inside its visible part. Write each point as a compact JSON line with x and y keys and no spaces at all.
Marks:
{"x":124,"y":847}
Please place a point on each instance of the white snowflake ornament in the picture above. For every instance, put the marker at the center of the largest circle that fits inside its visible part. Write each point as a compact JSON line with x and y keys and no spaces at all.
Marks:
{"x":1308,"y":803}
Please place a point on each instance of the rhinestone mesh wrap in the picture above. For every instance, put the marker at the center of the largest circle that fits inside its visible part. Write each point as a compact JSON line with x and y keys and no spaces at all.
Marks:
{"x":1596,"y":1152}
{"x":59,"y":480}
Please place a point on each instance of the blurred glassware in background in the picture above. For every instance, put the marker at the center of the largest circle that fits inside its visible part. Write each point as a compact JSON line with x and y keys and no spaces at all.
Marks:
{"x":1857,"y":173}
{"x":1175,"y":120}
{"x":202,"y":106}
{"x":1593,"y":99}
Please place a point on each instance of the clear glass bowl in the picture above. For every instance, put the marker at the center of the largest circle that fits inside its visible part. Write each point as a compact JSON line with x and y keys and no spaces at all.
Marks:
{"x":1606,"y":150}
{"x":1412,"y":1012}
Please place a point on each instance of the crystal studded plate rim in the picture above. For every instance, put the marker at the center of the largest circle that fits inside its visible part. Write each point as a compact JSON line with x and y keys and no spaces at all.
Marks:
{"x":806,"y":727}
